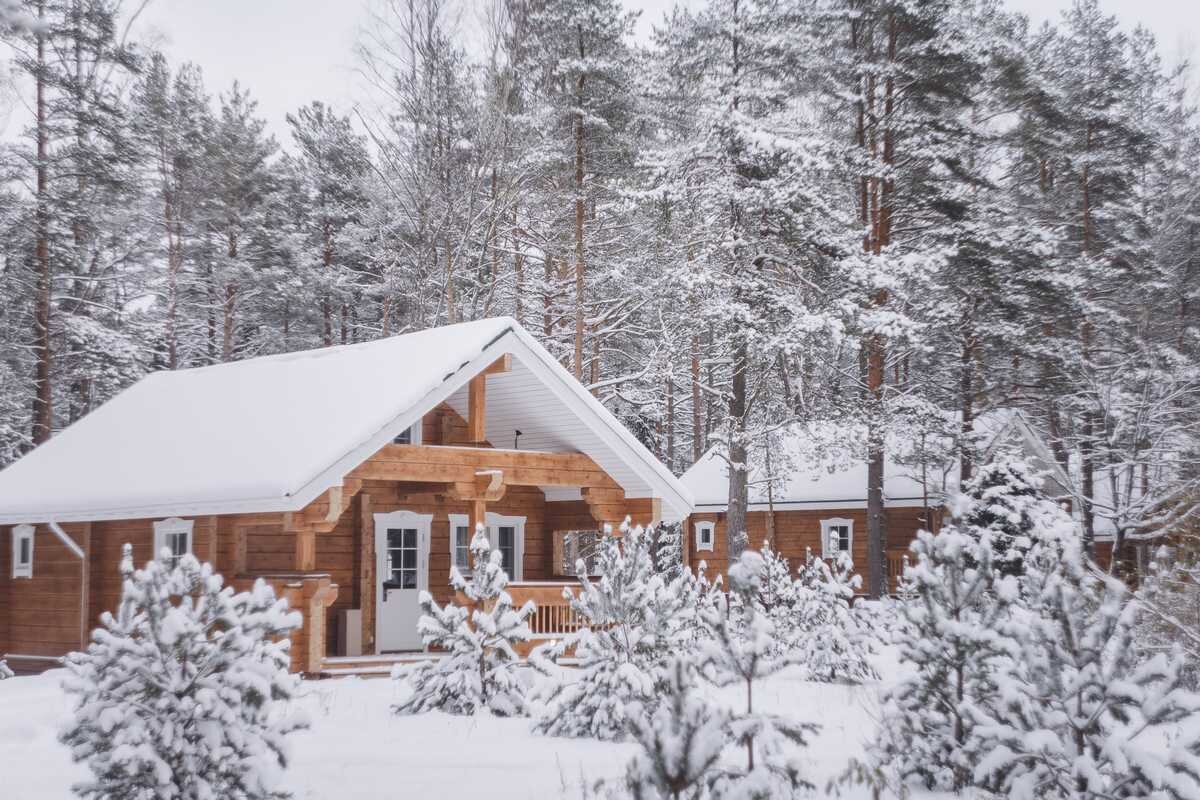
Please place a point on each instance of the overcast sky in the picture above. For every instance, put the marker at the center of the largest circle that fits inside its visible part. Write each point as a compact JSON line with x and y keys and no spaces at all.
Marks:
{"x":289,"y":52}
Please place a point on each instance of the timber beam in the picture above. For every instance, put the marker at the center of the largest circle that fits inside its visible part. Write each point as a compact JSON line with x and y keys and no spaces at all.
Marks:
{"x":462,"y":465}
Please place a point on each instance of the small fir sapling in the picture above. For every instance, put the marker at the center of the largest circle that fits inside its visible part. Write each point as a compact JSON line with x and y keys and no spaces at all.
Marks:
{"x":952,"y":641}
{"x":1003,"y":500}
{"x":479,"y":670}
{"x":838,"y":638}
{"x":1078,"y":713}
{"x":780,"y":598}
{"x":739,"y":651}
{"x":632,"y":621}
{"x":681,"y":742}
{"x":182,"y":694}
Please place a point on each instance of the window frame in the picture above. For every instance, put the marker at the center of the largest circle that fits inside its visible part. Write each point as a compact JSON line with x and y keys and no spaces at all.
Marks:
{"x":22,"y":533}
{"x":711,"y":528}
{"x":492,"y":521}
{"x":827,"y":525}
{"x":414,"y":433}
{"x":172,"y":526}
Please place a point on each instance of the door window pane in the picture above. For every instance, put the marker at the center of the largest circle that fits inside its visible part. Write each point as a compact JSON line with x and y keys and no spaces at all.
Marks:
{"x":402,"y":558}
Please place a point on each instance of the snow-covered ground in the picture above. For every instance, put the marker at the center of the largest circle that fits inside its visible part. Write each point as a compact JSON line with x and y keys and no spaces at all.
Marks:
{"x":357,"y":749}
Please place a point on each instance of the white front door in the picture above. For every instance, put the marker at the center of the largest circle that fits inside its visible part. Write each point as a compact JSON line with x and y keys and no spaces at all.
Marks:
{"x":402,"y":567}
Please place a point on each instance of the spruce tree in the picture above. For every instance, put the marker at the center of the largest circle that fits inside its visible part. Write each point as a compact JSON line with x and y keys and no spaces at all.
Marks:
{"x":632,"y":621}
{"x":1077,"y":713}
{"x":183,"y":693}
{"x":951,"y":639}
{"x":479,"y":670}
{"x":838,"y":635}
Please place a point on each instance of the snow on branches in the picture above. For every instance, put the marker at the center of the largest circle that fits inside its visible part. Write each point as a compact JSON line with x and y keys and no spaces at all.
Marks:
{"x":5,"y":671}
{"x":182,"y":694}
{"x":632,"y":621}
{"x":1077,"y":714}
{"x":479,"y":670}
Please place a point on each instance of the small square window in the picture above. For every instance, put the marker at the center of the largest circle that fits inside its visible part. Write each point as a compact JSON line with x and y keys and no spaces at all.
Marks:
{"x":706,"y":535}
{"x":22,"y":566}
{"x":837,"y":536}
{"x":173,"y":536}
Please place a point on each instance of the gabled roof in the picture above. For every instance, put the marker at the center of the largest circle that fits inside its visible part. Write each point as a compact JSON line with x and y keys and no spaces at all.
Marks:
{"x":817,"y":473}
{"x":272,"y":433}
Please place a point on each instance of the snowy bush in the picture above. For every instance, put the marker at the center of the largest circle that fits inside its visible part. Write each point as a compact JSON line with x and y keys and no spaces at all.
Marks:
{"x":633,"y":621}
{"x":740,"y":651}
{"x":681,"y":742}
{"x":835,"y":637}
{"x":1002,"y":500}
{"x":950,"y":639}
{"x":1078,"y":714}
{"x":182,"y":693}
{"x":479,"y":670}
{"x":5,"y":672}
{"x":1170,"y":602}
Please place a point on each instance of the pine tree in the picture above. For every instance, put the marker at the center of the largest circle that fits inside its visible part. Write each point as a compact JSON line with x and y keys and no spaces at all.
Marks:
{"x":1003,"y":502}
{"x":681,"y":742}
{"x":480,"y":668}
{"x":952,"y":641}
{"x":1077,"y":714}
{"x":837,"y":637}
{"x":183,"y":693}
{"x":632,"y":622}
{"x":738,"y":652}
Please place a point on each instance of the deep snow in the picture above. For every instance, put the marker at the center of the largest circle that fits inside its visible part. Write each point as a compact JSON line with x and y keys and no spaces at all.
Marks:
{"x":357,"y":749}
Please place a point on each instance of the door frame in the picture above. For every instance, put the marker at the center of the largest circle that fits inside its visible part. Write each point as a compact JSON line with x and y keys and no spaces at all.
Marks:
{"x":402,"y":518}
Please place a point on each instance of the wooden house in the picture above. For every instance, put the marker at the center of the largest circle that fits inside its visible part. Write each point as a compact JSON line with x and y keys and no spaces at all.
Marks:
{"x":350,"y":478}
{"x":818,"y":503}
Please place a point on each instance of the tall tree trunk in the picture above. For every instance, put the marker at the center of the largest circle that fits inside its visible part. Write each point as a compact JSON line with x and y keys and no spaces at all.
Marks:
{"x":670,"y":423}
{"x":697,"y":424}
{"x":326,"y":300}
{"x":735,"y":520}
{"x":1087,"y":442}
{"x":229,"y":306}
{"x":966,"y":391}
{"x":579,"y":212}
{"x":43,"y":398}
{"x":518,"y":271}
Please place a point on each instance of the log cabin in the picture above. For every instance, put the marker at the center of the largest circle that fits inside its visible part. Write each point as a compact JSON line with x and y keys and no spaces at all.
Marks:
{"x":349,"y":478}
{"x":818,"y":504}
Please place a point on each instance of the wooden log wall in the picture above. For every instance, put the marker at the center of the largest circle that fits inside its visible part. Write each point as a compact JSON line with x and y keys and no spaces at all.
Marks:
{"x":796,"y":531}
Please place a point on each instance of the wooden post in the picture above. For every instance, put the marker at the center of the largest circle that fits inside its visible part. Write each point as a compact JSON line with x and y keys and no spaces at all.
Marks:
{"x":85,"y":624}
{"x":366,"y":586}
{"x":306,"y":550}
{"x":477,"y":409}
{"x":240,"y":549}
{"x":478,"y":515}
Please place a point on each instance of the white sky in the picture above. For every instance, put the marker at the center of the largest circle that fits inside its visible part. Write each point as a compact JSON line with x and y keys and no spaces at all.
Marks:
{"x":289,"y":52}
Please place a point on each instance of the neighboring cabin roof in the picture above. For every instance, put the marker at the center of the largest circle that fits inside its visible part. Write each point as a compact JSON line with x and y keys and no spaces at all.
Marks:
{"x":272,"y":433}
{"x":837,"y":478}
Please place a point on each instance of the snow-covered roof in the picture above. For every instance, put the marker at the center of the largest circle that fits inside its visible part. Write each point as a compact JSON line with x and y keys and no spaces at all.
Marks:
{"x":272,"y":433}
{"x":814,"y":471}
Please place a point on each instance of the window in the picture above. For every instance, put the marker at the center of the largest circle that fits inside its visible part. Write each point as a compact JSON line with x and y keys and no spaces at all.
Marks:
{"x":506,"y":534}
{"x":576,"y":546}
{"x":175,"y":536}
{"x":402,"y":544}
{"x":837,"y":536}
{"x":706,"y":536}
{"x":460,"y":543}
{"x":410,"y":435}
{"x":22,"y":540}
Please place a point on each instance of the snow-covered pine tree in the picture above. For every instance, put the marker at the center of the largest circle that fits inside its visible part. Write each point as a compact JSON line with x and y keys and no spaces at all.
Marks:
{"x":479,"y":670}
{"x":632,"y":621}
{"x":952,"y":641}
{"x":1170,"y":601}
{"x":838,"y":637}
{"x":681,"y":742}
{"x":1003,"y":501}
{"x":182,"y":694}
{"x":1078,"y":715}
{"x":740,"y":651}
